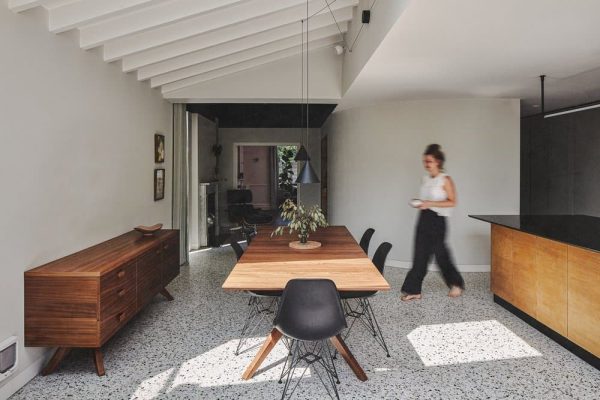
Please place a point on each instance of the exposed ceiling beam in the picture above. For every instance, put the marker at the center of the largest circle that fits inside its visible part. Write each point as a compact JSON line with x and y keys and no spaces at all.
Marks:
{"x":164,"y":13}
{"x":241,"y":56}
{"x":73,"y":15}
{"x":254,"y":41}
{"x":281,"y":22}
{"x":247,"y":64}
{"x":202,"y":24}
{"x":22,"y":5}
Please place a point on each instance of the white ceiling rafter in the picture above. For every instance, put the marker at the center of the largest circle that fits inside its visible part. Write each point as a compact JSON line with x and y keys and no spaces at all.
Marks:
{"x":152,"y":18}
{"x":248,"y":54}
{"x":245,"y":43}
{"x":245,"y":65}
{"x":291,"y":17}
{"x":80,"y":13}
{"x":23,"y":5}
{"x":205,"y":23}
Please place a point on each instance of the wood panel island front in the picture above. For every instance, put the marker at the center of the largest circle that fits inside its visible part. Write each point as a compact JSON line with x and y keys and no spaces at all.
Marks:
{"x":546,"y":270}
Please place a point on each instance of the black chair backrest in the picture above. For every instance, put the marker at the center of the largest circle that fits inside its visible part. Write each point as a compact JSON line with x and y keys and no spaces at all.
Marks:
{"x":366,"y":239}
{"x":380,"y":255}
{"x":237,"y":248}
{"x":239,"y":196}
{"x":310,"y":309}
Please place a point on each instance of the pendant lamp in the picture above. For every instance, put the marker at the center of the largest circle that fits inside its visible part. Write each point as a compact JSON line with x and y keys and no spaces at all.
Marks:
{"x":307,"y":173}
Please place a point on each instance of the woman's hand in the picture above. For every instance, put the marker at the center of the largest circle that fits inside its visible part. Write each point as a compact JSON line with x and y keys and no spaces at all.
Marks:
{"x":425,"y":205}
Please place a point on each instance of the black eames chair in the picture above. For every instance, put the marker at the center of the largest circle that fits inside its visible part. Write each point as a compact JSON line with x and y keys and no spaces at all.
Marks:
{"x":309,"y":315}
{"x":358,"y":307}
{"x":260,"y":304}
{"x":365,"y":240}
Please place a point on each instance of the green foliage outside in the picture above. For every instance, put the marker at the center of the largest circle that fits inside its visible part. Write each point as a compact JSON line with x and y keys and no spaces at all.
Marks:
{"x":285,"y":157}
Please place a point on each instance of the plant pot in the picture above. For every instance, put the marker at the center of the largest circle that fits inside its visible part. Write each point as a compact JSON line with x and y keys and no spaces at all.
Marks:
{"x":310,"y":244}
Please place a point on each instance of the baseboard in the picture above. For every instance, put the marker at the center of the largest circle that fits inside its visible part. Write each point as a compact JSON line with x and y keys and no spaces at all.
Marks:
{"x":434,"y":267}
{"x":18,"y":381}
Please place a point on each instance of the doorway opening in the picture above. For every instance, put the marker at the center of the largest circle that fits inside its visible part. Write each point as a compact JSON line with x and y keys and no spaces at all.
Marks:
{"x":269,"y":171}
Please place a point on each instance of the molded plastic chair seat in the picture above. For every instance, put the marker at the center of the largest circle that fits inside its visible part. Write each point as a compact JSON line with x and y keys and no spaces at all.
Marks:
{"x":310,"y":310}
{"x":309,"y":314}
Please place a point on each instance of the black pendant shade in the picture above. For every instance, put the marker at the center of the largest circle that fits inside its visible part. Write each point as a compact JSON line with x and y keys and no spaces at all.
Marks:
{"x":307,"y":174}
{"x":302,"y":154}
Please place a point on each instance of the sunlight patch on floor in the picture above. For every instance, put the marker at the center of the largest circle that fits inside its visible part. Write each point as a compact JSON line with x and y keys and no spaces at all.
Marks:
{"x":465,"y":342}
{"x":217,"y":367}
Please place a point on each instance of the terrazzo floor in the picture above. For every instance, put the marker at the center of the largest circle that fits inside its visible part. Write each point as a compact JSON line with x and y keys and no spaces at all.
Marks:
{"x":442,"y":348}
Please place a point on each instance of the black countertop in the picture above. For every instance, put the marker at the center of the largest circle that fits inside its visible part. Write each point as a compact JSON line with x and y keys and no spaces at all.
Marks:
{"x":577,"y":230}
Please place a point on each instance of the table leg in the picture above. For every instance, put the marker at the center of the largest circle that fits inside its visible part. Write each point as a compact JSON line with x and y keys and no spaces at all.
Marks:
{"x":341,"y":347}
{"x":55,"y":361}
{"x":264,"y":351}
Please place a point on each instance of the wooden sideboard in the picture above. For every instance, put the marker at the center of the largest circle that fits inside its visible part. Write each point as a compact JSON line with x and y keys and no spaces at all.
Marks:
{"x":554,"y":283}
{"x":82,"y":300}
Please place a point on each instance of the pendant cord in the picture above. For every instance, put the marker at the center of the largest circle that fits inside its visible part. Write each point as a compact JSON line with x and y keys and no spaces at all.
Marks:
{"x":302,"y":85}
{"x":307,"y":73}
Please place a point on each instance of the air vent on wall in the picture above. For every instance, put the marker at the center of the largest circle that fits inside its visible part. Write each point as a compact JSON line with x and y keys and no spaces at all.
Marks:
{"x":8,"y":357}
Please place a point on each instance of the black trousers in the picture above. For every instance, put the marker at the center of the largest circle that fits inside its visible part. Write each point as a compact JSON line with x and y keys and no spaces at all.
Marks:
{"x":430,"y":236}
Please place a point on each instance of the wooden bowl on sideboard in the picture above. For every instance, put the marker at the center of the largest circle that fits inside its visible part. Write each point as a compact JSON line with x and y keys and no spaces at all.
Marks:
{"x":148,"y":230}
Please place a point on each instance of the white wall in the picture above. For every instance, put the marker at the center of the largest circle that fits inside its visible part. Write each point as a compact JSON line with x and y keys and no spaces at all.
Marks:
{"x":77,"y":159}
{"x":308,"y":194}
{"x":375,"y":168}
{"x":384,"y":15}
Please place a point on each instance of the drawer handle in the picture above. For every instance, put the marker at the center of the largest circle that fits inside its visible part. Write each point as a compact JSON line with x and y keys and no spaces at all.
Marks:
{"x":120,"y":316}
{"x":121,"y":274}
{"x":121,"y":293}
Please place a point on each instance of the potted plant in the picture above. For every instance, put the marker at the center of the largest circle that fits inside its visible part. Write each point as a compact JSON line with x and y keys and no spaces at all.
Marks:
{"x":301,"y":220}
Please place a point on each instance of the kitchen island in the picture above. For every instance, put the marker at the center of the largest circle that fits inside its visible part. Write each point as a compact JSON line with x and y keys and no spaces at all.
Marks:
{"x":546,"y":270}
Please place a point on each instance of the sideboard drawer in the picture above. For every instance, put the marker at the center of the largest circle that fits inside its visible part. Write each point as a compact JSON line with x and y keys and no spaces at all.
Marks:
{"x":118,"y":278}
{"x":117,"y":299}
{"x":115,"y":321}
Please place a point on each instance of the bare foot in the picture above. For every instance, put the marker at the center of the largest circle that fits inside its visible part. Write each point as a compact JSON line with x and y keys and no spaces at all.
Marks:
{"x":409,"y":297}
{"x":455,"y":291}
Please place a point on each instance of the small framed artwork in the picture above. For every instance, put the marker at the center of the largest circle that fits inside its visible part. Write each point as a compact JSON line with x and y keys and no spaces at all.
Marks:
{"x":159,"y":148}
{"x":159,"y":184}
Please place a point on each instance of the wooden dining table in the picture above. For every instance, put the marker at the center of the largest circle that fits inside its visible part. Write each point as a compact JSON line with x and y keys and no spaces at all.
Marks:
{"x":269,"y":263}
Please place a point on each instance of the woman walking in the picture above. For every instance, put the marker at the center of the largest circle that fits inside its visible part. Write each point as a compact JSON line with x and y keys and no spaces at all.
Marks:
{"x":437,"y":198}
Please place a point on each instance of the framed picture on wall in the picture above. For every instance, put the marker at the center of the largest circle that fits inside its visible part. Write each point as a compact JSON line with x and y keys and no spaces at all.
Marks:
{"x":159,"y":184}
{"x":159,"y":148}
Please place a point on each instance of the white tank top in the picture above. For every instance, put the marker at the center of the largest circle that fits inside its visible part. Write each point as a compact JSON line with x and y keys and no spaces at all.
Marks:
{"x":432,"y":189}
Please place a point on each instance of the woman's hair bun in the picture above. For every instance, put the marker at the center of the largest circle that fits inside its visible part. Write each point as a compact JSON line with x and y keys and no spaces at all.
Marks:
{"x":435,"y":150}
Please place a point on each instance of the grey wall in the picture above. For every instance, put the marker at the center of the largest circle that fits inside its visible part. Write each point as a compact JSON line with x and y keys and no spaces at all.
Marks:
{"x":77,"y":161}
{"x":375,"y":168}
{"x":560,"y":171}
{"x":308,"y":194}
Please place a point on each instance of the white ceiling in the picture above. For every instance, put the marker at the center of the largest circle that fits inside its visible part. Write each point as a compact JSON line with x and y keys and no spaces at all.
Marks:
{"x":486,"y":48}
{"x":434,"y":49}
{"x":174,"y":44}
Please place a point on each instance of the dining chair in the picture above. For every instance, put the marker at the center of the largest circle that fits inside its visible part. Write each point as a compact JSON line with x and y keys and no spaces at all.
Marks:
{"x":309,"y":314}
{"x":358,"y":307}
{"x":260,"y":305}
{"x":365,"y":240}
